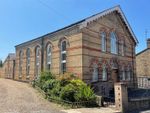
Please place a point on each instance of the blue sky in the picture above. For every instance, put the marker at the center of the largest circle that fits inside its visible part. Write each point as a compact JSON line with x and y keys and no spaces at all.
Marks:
{"x":23,"y":20}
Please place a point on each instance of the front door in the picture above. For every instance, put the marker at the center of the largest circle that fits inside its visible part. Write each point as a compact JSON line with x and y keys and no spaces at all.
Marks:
{"x":114,"y":75}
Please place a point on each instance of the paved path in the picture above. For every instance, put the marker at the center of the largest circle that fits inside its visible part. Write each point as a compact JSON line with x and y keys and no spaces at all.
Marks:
{"x":18,"y":97}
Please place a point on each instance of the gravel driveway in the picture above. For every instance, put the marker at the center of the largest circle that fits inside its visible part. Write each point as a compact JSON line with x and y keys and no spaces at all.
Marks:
{"x":18,"y":97}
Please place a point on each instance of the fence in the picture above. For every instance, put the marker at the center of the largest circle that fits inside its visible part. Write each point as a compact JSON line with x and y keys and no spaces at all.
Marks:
{"x":143,"y":82}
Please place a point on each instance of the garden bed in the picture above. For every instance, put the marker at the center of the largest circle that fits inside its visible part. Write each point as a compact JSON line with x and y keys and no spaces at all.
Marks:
{"x":66,"y":90}
{"x":96,"y":103}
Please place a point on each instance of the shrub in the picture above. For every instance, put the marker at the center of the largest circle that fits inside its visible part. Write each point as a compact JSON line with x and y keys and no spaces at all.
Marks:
{"x":85,"y":93}
{"x":49,"y":84}
{"x":66,"y":78}
{"x":46,"y":75}
{"x":55,"y":91}
{"x":68,"y":93}
{"x":78,"y":83}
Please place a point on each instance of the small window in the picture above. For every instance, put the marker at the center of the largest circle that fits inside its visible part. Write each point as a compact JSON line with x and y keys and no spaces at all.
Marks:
{"x":63,"y":56}
{"x":95,"y":73}
{"x":104,"y":73}
{"x":103,"y":41}
{"x":113,"y":43}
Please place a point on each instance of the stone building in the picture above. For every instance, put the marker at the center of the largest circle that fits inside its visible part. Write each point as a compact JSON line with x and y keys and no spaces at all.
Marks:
{"x":143,"y":67}
{"x":142,"y":61}
{"x":8,"y":69}
{"x":100,"y":50}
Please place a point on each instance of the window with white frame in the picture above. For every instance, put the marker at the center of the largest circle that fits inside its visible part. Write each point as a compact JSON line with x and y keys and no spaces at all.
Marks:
{"x":28,"y":62}
{"x":37,"y":61}
{"x":103,"y":41}
{"x":113,"y":43}
{"x":63,"y":56}
{"x":95,"y":73}
{"x":20,"y":63}
{"x":104,"y":73}
{"x":123,"y":74}
{"x":48,"y":56}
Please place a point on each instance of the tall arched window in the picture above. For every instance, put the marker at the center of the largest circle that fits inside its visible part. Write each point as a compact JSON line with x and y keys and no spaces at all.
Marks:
{"x":48,"y":56}
{"x":113,"y":43}
{"x":37,"y":61}
{"x":63,"y":56}
{"x":104,"y":73}
{"x":123,"y":74}
{"x":103,"y":41}
{"x":95,"y":73}
{"x":28,"y":62}
{"x":20,"y":63}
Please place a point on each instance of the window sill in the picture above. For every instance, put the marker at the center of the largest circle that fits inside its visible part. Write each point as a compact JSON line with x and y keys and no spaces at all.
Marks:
{"x":27,"y":77}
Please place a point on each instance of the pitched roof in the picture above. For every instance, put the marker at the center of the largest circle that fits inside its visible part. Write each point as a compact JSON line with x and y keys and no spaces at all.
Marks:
{"x":106,"y":12}
{"x":142,"y":51}
{"x":83,"y":23}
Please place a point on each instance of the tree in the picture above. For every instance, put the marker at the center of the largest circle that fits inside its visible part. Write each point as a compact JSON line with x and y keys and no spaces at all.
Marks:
{"x":1,"y":63}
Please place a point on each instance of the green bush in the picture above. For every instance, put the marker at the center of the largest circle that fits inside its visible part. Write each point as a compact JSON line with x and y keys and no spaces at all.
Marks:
{"x":78,"y":83}
{"x":49,"y":84}
{"x":68,"y":93}
{"x":66,"y":78}
{"x":46,"y":75}
{"x":77,"y":90}
{"x":55,"y":91}
{"x":85,"y":93}
{"x":65,"y":87}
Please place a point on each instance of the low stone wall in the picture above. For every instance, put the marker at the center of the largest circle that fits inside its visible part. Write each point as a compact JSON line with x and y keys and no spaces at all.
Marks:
{"x":139,"y":104}
{"x":125,"y":104}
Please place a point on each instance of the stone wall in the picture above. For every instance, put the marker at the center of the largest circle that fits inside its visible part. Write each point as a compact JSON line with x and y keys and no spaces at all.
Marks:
{"x":74,"y":54}
{"x":8,"y":69}
{"x":92,"y":53}
{"x":125,"y":104}
{"x":142,"y":63}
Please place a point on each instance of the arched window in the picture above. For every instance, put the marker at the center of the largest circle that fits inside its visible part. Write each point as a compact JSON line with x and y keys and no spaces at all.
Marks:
{"x":104,"y":73}
{"x":103,"y":41}
{"x":37,"y":61}
{"x":123,"y":74}
{"x":95,"y":73}
{"x":63,"y":56}
{"x":28,"y":62}
{"x":113,"y":43}
{"x":48,"y":57}
{"x":20,"y":63}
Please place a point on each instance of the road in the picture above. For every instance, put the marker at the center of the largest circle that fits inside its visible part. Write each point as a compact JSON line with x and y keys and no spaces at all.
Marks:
{"x":18,"y":97}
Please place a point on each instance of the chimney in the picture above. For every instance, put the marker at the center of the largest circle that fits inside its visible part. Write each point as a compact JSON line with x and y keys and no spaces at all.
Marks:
{"x":148,"y":43}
